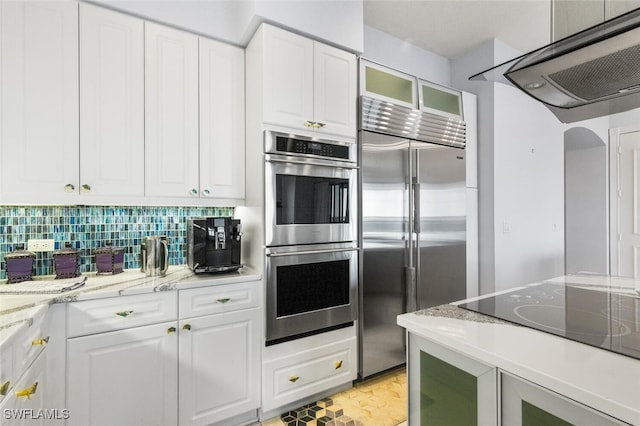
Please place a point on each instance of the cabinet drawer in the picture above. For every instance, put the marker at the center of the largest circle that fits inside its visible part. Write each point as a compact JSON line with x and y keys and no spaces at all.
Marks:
{"x":218,"y":299}
{"x":30,"y":343}
{"x":295,"y":377}
{"x":28,"y":396}
{"x":9,"y":340}
{"x":116,"y":313}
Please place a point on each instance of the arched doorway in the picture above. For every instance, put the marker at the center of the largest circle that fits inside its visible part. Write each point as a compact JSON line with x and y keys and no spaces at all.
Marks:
{"x":586,"y":197}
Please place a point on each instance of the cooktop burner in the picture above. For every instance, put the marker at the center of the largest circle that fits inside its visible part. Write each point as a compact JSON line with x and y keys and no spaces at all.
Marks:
{"x":595,"y":317}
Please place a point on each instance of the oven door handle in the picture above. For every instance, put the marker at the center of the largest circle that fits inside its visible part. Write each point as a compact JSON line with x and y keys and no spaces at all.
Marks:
{"x":298,"y":253}
{"x":289,"y":160}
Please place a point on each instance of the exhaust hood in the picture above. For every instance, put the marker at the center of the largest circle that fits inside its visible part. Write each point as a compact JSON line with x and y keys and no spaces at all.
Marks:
{"x":590,"y":74}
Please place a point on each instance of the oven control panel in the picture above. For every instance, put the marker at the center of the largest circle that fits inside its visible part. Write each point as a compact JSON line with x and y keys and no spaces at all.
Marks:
{"x":292,"y":145}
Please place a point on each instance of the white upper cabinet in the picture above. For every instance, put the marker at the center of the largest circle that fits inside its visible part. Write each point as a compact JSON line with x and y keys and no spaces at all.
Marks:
{"x":222,"y":135}
{"x":39,"y":101}
{"x":171,"y":112}
{"x":335,"y":90}
{"x":308,"y":85}
{"x":111,"y":103}
{"x":288,"y":78}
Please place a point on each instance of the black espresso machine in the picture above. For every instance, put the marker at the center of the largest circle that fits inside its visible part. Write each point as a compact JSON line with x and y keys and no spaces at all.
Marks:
{"x":213,"y":244}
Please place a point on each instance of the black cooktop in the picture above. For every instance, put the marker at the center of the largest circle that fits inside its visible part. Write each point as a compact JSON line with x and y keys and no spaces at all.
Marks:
{"x":595,"y":317}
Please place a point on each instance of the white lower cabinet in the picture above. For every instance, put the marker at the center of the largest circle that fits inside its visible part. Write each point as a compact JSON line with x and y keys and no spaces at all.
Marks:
{"x":525,"y":403}
{"x":125,"y":377}
{"x":137,"y":360}
{"x":219,"y":367}
{"x":302,"y":368}
{"x":25,"y":387}
{"x":27,"y":404}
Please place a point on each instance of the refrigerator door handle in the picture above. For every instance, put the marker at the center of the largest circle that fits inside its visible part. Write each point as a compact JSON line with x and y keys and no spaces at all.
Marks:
{"x":411,"y":304}
{"x":416,"y":210}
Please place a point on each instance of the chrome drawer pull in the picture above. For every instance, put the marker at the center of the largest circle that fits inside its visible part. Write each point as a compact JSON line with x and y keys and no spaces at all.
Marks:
{"x":124,"y":314}
{"x":171,"y":330}
{"x":186,"y":327}
{"x":294,"y":379}
{"x":338,"y":364}
{"x":223,"y":300}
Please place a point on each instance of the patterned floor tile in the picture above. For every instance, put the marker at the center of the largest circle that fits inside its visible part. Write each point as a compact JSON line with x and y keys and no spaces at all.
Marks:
{"x":381,"y":401}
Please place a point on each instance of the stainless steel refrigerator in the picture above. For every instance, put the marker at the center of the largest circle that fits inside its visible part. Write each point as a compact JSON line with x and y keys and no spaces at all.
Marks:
{"x":413,"y":238}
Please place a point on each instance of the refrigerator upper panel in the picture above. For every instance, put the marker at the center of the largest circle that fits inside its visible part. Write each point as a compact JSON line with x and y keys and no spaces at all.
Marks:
{"x":396,"y":120}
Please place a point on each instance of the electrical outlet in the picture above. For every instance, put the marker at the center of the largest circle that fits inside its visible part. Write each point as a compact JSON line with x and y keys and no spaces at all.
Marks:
{"x":40,"y":245}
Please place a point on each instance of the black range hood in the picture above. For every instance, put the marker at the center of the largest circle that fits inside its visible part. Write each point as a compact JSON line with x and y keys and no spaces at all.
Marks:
{"x":590,"y":74}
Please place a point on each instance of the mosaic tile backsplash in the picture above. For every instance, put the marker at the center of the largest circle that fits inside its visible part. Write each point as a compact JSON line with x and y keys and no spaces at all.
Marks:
{"x":91,"y":227}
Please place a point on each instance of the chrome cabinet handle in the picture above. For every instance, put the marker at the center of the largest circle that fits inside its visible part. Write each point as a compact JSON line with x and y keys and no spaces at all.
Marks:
{"x":69,"y":187}
{"x":309,"y":124}
{"x":85,"y":188}
{"x":40,"y":342}
{"x":27,"y":391}
{"x":206,"y":192}
{"x":338,"y":364}
{"x":186,"y":327}
{"x":294,"y":379}
{"x":171,"y":330}
{"x":193,"y":191}
{"x":223,"y":300}
{"x":124,"y":314}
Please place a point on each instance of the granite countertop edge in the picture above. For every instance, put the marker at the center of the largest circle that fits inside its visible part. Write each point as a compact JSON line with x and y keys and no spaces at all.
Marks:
{"x":19,"y":309}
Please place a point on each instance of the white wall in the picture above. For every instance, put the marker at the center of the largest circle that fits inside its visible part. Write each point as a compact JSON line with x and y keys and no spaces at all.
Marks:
{"x":528,"y":190}
{"x":338,"y":22}
{"x":521,"y":177}
{"x":395,"y":53}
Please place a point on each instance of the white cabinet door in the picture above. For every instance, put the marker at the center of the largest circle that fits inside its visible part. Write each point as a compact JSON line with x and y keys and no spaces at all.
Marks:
{"x":39,"y":100}
{"x":219,"y":367}
{"x":287,"y":79}
{"x":126,"y":377}
{"x":222,"y":173}
{"x":171,"y":112}
{"x":111,"y":103}
{"x":335,"y":90}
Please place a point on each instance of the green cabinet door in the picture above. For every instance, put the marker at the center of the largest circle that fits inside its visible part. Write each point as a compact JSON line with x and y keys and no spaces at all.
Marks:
{"x":448,"y":388}
{"x":448,"y":395}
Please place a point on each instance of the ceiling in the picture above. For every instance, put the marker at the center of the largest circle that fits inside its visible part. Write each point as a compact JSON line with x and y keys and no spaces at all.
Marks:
{"x":452,"y":27}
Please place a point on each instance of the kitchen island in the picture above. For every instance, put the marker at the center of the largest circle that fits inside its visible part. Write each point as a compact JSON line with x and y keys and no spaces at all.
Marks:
{"x":508,"y":372}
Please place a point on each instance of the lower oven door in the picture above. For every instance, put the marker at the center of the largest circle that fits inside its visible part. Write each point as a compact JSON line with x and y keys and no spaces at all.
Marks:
{"x":310,"y":289}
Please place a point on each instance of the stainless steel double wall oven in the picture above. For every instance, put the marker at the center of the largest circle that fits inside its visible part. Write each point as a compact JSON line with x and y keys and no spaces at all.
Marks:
{"x":311,"y":235}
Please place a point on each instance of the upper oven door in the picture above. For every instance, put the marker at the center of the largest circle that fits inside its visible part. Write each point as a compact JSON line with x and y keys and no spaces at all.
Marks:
{"x":309,"y":201}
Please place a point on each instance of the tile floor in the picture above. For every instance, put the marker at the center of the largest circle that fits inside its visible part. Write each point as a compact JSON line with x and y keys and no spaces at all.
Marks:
{"x":380,"y":401}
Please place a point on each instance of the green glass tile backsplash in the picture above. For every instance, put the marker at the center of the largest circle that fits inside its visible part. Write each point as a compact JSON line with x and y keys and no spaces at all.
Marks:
{"x":90,"y":227}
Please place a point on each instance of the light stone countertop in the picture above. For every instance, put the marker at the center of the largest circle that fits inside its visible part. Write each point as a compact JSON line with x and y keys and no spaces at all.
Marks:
{"x":600,"y":379}
{"x":17,"y":310}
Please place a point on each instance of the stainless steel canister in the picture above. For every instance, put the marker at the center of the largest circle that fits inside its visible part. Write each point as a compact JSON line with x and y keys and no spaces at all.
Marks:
{"x":155,"y":256}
